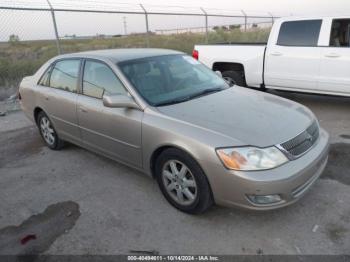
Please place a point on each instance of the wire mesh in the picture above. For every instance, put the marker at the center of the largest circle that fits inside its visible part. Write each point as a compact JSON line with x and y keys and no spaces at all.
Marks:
{"x":28,"y":39}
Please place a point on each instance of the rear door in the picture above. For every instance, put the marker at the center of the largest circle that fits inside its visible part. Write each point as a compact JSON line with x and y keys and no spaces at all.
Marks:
{"x":115,"y":132}
{"x":292,"y":56}
{"x":335,"y":62}
{"x":58,"y":97}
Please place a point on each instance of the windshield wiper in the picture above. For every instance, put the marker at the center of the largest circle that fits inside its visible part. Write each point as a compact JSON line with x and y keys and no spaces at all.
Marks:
{"x":207,"y":92}
{"x":174,"y":101}
{"x":187,"y":98}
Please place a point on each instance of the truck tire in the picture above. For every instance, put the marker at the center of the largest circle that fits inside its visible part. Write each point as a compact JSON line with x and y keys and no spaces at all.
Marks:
{"x":234,"y":77}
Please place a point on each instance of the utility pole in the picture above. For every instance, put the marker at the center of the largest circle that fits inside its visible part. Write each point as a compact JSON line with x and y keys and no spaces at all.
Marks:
{"x":125,"y":25}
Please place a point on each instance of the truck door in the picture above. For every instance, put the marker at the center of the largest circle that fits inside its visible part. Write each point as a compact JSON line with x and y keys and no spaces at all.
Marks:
{"x":335,"y":57}
{"x":292,"y":56}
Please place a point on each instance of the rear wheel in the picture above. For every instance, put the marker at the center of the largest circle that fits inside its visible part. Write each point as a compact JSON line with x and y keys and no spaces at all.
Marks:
{"x":233,"y":78}
{"x":48,"y":132}
{"x":182,"y":182}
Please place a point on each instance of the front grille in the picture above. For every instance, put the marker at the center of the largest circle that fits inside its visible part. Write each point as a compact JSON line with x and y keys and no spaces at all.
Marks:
{"x":302,"y":142}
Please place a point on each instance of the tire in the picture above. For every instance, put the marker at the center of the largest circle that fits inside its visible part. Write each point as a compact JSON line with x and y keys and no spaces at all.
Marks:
{"x":234,"y":77}
{"x":48,"y":132}
{"x":192,"y":183}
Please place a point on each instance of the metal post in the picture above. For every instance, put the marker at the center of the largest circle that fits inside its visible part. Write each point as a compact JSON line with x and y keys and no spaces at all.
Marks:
{"x":206,"y":25}
{"x":245,"y":20}
{"x":147,"y":28}
{"x":125,"y":26}
{"x":55,"y":27}
{"x":272,"y":18}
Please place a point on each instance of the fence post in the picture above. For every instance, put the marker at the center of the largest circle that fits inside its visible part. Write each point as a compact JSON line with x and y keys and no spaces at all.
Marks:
{"x":206,"y":25}
{"x":245,"y":20}
{"x":272,"y":17}
{"x":147,"y":27}
{"x":55,"y":28}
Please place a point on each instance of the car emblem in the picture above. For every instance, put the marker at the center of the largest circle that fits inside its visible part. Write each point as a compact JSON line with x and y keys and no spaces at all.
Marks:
{"x":309,"y":137}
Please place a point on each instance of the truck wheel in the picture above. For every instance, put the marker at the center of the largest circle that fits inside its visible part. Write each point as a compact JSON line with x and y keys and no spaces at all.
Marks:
{"x":233,"y":78}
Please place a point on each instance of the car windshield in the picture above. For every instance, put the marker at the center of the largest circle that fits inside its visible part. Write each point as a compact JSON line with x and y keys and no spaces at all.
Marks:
{"x":170,"y":79}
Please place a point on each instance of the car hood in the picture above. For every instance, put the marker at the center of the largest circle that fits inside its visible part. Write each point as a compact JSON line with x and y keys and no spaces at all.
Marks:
{"x":252,"y":117}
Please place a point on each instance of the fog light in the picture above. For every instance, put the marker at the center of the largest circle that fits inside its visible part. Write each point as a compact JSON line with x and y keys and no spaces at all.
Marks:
{"x":264,"y":200}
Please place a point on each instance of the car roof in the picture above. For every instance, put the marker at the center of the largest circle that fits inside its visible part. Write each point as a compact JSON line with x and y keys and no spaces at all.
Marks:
{"x":123,"y":54}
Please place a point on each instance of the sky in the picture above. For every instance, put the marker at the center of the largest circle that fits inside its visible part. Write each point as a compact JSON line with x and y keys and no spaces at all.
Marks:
{"x":38,"y":25}
{"x":300,"y":7}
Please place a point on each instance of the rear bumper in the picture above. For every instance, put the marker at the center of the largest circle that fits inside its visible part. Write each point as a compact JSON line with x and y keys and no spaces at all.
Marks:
{"x":290,"y":181}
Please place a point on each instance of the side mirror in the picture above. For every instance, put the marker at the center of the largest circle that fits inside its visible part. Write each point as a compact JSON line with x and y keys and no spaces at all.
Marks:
{"x":218,"y":73}
{"x":119,"y":101}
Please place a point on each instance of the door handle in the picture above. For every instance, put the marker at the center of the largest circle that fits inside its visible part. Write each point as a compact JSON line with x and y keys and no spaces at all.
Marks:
{"x":83,"y":109}
{"x":332,"y":55}
{"x":276,"y":53}
{"x":47,"y":98}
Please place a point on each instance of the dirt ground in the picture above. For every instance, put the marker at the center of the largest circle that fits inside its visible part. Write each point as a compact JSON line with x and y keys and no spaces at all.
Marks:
{"x":75,"y":202}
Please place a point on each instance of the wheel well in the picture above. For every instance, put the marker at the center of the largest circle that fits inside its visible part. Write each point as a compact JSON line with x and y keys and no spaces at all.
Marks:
{"x":159,"y":151}
{"x":37,"y":110}
{"x":224,"y":66}
{"x":155,"y":155}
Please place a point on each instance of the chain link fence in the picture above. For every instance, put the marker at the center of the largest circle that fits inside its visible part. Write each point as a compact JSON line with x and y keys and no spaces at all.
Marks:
{"x":31,"y":33}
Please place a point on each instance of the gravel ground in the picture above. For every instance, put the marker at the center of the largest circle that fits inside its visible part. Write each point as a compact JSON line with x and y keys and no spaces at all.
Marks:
{"x":75,"y":202}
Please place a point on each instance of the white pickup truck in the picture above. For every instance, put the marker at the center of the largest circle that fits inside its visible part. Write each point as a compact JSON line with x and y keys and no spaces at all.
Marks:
{"x":302,"y":54}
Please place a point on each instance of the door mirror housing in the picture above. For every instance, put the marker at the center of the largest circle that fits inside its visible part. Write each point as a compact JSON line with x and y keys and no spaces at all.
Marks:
{"x":119,"y":101}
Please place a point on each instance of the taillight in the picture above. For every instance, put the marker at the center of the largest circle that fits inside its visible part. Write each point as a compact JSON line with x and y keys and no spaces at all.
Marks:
{"x":195,"y":54}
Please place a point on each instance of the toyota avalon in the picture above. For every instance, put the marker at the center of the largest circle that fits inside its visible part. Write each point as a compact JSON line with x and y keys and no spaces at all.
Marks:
{"x":169,"y":116}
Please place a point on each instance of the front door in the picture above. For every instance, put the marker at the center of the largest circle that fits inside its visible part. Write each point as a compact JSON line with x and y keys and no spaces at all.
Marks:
{"x":113,"y":131}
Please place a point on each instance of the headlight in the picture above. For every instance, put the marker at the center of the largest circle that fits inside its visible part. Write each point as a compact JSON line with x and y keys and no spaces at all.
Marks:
{"x":251,"y":158}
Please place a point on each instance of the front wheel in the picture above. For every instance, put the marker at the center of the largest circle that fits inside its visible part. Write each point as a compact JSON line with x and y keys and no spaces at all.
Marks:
{"x":182,"y":182}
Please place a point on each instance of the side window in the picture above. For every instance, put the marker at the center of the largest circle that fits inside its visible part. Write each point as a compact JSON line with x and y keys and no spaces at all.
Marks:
{"x":98,"y":79}
{"x":340,"y":33}
{"x":299,"y":33}
{"x":65,"y":75}
{"x":44,"y":80}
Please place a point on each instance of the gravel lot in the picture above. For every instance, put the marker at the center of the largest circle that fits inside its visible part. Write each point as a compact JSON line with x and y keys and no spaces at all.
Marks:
{"x":75,"y":202}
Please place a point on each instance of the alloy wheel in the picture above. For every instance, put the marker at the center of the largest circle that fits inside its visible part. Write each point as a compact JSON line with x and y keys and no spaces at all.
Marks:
{"x":47,"y":131}
{"x":179,"y":182}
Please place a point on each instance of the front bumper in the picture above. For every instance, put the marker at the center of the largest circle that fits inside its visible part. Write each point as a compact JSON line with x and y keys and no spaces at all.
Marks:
{"x":290,"y":181}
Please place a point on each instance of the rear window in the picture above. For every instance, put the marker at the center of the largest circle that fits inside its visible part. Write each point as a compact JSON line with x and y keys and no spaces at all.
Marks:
{"x":340,"y":33}
{"x":44,"y":80}
{"x":65,"y":75}
{"x":299,"y":33}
